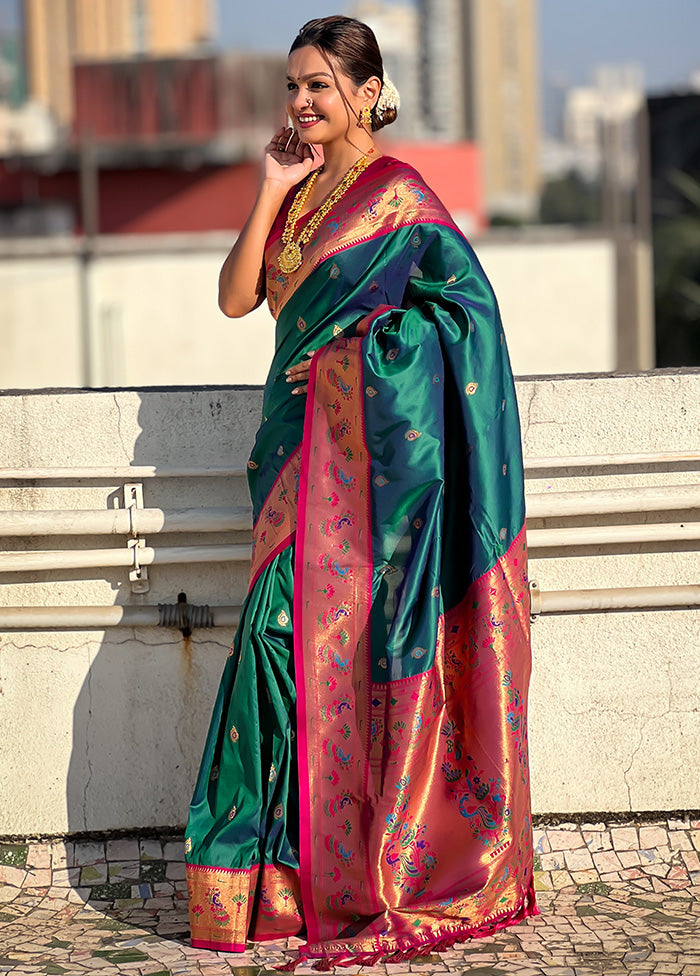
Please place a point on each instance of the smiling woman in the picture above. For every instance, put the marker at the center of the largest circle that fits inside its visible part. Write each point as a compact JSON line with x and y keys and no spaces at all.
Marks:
{"x":365,"y":777}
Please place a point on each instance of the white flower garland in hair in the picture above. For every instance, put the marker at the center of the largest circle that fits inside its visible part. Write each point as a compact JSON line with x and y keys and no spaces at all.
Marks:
{"x":388,"y":98}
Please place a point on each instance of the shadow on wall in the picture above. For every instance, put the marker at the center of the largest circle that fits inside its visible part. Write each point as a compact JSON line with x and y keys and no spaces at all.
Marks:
{"x":142,"y":713}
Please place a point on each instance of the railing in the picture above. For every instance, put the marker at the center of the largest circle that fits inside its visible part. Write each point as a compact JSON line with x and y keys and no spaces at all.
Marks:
{"x":133,"y":522}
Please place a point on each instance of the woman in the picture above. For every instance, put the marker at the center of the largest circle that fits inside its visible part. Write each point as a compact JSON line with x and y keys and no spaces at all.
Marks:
{"x":365,"y":781}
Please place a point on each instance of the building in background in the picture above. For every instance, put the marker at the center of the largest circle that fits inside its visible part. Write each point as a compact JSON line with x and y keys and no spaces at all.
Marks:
{"x":443,"y":53}
{"x":159,"y":145}
{"x":595,"y":169}
{"x":12,"y":78}
{"x":600,"y":123}
{"x":24,"y":126}
{"x":480,"y":83}
{"x":467,"y":73}
{"x":674,"y":125}
{"x":396,"y":27}
{"x":60,"y":32}
{"x":160,"y":164}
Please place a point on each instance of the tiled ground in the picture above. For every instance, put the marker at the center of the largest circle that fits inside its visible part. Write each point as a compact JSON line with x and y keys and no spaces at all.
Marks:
{"x":614,"y":900}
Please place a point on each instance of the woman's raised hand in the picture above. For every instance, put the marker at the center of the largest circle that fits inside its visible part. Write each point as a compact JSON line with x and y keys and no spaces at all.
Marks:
{"x":287,"y":159}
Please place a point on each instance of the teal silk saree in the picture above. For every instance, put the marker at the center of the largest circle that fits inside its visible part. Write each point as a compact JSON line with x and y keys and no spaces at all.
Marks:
{"x":365,"y":780}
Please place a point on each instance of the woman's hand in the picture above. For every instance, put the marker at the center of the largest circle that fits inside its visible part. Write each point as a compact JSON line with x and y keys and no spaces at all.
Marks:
{"x":287,"y":159}
{"x":242,"y":278}
{"x":300,"y":374}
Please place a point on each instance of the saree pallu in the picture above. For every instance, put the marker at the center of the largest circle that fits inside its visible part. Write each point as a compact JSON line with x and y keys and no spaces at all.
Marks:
{"x":365,"y":777}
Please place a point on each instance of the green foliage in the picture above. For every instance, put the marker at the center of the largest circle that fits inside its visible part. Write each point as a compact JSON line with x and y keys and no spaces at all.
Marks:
{"x":108,"y":892}
{"x":570,"y":200}
{"x":677,"y":278}
{"x":505,"y":220}
{"x":117,"y":956}
{"x":594,"y":888}
{"x":153,"y":871}
{"x":14,"y":854}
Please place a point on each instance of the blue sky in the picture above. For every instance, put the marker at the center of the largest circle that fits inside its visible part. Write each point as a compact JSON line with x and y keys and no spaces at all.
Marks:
{"x":575,"y":35}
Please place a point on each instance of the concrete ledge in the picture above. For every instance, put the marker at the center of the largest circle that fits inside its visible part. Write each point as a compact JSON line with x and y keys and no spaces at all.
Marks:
{"x":614,"y":697}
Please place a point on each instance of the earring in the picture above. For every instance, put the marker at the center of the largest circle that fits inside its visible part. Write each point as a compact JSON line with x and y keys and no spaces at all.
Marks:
{"x":365,"y":116}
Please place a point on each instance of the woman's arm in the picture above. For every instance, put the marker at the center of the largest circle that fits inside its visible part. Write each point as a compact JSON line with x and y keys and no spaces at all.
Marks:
{"x":242,"y":277}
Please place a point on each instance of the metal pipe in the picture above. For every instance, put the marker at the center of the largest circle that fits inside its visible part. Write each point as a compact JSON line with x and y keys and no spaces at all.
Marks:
{"x":603,"y":535}
{"x":148,"y":521}
{"x":620,"y":598}
{"x":123,"y":471}
{"x":542,"y":602}
{"x":609,"y":460}
{"x":154,"y":471}
{"x":609,"y":501}
{"x":31,"y":618}
{"x":133,"y":557}
{"x":126,"y":521}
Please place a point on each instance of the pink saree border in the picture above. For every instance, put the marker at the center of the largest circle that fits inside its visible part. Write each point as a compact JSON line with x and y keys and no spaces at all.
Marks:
{"x":403,"y":949}
{"x":495,"y":610}
{"x":417,"y":221}
{"x":285,"y":487}
{"x":302,"y":743}
{"x":217,"y":946}
{"x":320,"y":639}
{"x":212,"y":867}
{"x":293,"y":457}
{"x":388,"y":195}
{"x":242,"y":889}
{"x":239,"y":881}
{"x":262,"y":566}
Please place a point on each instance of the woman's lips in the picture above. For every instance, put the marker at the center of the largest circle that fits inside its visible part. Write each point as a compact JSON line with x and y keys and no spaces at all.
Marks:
{"x":307,"y":121}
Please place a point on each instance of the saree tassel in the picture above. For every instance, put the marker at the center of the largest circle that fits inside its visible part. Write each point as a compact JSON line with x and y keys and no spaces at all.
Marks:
{"x":441,"y":942}
{"x":289,"y":967}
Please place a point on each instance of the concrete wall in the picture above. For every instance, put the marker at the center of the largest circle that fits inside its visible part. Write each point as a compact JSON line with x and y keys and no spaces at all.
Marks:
{"x":104,"y":730}
{"x":615,"y":696}
{"x":40,"y":302}
{"x":153,"y":319}
{"x":557,"y":300}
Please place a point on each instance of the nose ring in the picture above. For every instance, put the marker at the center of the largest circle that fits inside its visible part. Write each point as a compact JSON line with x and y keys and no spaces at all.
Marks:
{"x":309,"y":102}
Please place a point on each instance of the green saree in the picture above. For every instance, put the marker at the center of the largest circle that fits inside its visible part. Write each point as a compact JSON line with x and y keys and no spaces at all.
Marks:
{"x":365,"y":777}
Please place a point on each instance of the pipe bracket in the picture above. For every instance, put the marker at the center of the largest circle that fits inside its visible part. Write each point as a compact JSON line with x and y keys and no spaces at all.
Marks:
{"x":138,"y":575}
{"x":535,"y":600}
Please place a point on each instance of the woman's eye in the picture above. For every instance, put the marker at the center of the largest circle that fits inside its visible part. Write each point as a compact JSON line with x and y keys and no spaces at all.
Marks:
{"x":291,"y":86}
{"x":318,"y":84}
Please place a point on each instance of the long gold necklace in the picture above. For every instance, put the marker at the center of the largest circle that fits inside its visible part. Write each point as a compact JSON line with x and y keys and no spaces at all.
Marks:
{"x":290,"y":258}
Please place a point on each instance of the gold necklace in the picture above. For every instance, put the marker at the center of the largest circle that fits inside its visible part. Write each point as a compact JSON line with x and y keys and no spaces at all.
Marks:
{"x":290,"y":258}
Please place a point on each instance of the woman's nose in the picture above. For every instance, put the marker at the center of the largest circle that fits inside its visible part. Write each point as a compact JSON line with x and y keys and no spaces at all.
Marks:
{"x":299,"y":101}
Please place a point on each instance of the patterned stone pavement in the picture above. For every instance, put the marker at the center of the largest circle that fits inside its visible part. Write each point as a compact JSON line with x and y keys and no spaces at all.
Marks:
{"x":614,"y":899}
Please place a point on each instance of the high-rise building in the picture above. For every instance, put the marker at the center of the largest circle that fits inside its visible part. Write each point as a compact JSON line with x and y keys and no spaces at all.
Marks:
{"x":443,"y":52}
{"x":480,"y":83}
{"x":396,"y":28}
{"x":600,"y":123}
{"x":60,"y":32}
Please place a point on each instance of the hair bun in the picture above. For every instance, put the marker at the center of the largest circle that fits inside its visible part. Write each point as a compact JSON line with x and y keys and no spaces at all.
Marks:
{"x":387,"y":107}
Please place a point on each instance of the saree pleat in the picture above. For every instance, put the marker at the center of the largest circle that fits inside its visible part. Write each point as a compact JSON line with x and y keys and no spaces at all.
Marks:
{"x":365,"y":777}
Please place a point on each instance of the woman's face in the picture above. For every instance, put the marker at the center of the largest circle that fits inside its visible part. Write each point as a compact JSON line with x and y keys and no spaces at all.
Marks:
{"x":314,"y":102}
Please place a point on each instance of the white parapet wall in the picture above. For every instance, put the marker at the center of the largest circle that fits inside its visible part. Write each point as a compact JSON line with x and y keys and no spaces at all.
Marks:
{"x":142,"y":311}
{"x":103,"y":730}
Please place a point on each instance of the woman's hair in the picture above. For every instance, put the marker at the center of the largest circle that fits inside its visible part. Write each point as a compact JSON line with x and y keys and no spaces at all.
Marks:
{"x":352,"y":46}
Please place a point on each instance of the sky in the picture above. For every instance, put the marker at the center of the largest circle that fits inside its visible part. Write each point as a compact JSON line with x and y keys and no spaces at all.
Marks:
{"x":574,"y":35}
